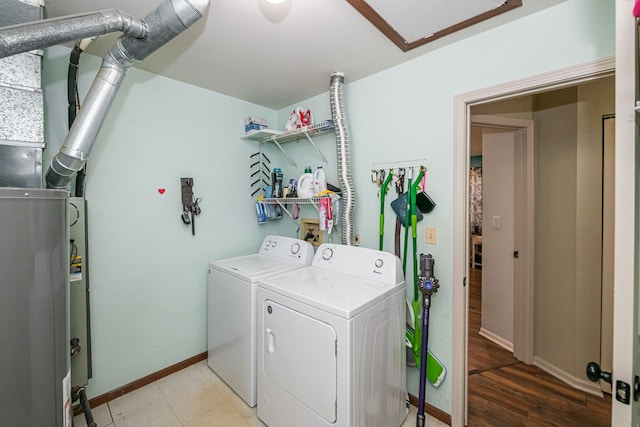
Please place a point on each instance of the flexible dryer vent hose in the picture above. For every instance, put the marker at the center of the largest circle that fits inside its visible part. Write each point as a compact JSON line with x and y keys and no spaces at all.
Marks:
{"x":338,"y":114}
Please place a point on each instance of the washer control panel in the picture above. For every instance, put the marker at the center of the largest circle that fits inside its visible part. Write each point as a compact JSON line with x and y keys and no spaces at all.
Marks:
{"x":287,"y":248}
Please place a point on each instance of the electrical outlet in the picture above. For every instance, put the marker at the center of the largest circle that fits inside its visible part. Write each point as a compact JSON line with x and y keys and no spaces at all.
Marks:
{"x":432,"y":235}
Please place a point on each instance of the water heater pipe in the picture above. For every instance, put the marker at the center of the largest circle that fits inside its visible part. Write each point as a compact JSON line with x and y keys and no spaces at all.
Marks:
{"x":338,"y":114}
{"x":141,"y":38}
{"x":164,"y":23}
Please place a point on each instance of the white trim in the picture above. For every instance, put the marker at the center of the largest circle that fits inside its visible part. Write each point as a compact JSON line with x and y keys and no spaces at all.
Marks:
{"x":575,"y":382}
{"x":462,"y":103}
{"x":496,"y":339}
{"x":625,"y":322}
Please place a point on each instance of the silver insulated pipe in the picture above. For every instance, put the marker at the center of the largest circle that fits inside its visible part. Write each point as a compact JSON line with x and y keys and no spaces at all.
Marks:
{"x":338,"y":114}
{"x":50,"y":32}
{"x":167,"y":21}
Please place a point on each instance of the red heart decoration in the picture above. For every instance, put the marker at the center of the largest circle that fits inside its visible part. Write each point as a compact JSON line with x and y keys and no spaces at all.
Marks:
{"x":161,"y":190}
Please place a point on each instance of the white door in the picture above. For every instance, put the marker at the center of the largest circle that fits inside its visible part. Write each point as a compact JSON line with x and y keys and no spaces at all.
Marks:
{"x":498,"y":234}
{"x":626,"y":354}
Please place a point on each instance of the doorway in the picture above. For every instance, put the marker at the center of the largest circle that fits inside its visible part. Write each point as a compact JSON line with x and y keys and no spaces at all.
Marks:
{"x":504,"y":149}
{"x":462,"y":242}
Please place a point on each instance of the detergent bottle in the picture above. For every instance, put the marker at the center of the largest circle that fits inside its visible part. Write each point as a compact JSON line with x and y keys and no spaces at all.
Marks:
{"x":305,"y":184}
{"x":276,"y":180}
{"x":319,"y":180}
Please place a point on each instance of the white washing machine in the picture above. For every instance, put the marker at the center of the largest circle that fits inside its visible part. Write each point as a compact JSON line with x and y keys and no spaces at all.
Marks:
{"x":331,"y":344}
{"x":232,"y":308}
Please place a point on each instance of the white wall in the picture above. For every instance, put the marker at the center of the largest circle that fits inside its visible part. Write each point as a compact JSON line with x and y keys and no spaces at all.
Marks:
{"x":148,"y":272}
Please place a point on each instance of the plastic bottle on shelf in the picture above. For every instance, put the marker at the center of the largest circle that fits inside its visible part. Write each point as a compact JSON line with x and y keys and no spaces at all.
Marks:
{"x":305,"y":184}
{"x":276,"y":181}
{"x":319,"y":180}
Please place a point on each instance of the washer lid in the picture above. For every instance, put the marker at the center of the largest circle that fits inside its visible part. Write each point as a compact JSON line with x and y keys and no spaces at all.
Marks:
{"x":338,"y":293}
{"x":251,"y":267}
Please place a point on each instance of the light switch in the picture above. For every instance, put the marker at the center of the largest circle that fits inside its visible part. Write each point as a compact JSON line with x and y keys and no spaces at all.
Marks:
{"x":432,"y":235}
{"x":496,"y":221}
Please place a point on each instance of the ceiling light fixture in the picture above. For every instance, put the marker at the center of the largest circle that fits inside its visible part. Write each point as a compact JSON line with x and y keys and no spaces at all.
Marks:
{"x":275,"y":1}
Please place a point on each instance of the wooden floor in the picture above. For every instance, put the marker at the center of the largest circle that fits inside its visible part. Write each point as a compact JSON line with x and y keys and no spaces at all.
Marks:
{"x":506,"y":392}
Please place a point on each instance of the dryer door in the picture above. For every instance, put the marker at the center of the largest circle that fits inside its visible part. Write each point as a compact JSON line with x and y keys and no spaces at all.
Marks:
{"x":300,"y":357}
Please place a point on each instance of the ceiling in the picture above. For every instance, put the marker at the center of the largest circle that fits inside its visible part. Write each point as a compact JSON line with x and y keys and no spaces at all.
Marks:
{"x":277,"y":55}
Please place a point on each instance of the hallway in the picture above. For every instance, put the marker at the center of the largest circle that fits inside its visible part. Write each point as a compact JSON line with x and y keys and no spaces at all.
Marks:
{"x":506,"y":392}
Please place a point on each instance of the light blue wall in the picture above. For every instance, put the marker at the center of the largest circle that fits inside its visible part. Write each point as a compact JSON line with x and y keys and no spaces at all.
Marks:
{"x":148,"y":274}
{"x":406,"y":113}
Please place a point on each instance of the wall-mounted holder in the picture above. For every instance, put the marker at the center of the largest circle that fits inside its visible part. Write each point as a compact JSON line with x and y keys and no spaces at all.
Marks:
{"x":310,"y":231}
{"x":260,"y":171}
{"x":190,"y":206}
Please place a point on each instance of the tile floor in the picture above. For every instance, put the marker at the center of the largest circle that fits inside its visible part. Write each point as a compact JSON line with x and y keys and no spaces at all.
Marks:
{"x":192,"y":397}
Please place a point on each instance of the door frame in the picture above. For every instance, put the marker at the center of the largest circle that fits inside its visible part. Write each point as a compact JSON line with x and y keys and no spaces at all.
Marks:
{"x":625,"y":301}
{"x":523,"y":309}
{"x":564,"y":77}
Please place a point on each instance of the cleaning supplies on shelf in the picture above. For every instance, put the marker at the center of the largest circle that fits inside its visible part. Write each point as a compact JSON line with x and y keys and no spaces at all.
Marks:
{"x":305,"y":184}
{"x":276,"y":181}
{"x":262,"y":216}
{"x":325,"y":217}
{"x":322,"y":214}
{"x":319,"y":180}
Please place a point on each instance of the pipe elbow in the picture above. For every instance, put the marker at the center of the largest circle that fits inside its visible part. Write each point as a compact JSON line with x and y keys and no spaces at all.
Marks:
{"x":116,"y":20}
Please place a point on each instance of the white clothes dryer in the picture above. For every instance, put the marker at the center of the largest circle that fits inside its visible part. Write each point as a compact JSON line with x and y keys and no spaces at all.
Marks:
{"x":332,"y":342}
{"x":232,"y":308}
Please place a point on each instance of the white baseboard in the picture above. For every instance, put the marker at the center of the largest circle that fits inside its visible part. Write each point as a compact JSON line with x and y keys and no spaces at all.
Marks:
{"x":575,"y":382}
{"x":496,"y":339}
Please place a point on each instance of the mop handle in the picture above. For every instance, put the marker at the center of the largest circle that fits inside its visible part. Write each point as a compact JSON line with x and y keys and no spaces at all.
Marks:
{"x":407,"y":223}
{"x":383,"y":193}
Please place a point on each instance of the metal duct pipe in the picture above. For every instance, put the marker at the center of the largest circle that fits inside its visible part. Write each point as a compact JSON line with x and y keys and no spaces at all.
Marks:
{"x":50,"y":32}
{"x":167,"y":21}
{"x":336,"y":96}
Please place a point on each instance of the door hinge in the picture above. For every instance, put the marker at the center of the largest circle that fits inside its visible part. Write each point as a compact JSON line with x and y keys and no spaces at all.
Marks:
{"x":464,"y":282}
{"x":516,"y":254}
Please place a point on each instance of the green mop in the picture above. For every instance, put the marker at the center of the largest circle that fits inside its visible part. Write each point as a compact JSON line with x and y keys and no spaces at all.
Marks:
{"x":402,"y":206}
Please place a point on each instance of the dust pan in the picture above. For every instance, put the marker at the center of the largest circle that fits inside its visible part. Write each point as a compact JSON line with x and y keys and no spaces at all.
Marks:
{"x":399,"y":206}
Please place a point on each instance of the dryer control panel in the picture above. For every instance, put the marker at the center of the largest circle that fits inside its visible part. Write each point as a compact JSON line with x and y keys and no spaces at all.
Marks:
{"x":370,"y":264}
